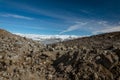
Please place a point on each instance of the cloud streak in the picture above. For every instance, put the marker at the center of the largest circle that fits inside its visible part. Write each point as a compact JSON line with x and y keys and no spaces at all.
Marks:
{"x":93,"y":27}
{"x":55,"y":13}
{"x":17,"y":16}
{"x":64,"y":15}
{"x":76,"y":26}
{"x":109,"y":29}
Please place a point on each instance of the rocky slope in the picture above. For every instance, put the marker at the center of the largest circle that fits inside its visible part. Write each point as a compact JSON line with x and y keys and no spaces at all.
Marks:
{"x":21,"y":58}
{"x":89,"y":58}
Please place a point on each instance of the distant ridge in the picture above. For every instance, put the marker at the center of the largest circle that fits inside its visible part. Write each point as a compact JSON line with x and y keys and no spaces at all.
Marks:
{"x":103,"y":39}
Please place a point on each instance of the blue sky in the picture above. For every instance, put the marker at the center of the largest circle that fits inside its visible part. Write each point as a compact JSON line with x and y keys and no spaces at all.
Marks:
{"x":65,"y":17}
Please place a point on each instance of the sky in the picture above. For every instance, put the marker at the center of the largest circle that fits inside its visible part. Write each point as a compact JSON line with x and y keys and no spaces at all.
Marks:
{"x":60,"y":17}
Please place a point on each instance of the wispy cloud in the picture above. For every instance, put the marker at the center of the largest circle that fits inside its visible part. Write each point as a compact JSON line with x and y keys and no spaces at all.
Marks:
{"x":86,"y":12}
{"x":108,"y":29}
{"x":74,"y":27}
{"x":63,"y":14}
{"x":93,"y":27}
{"x":54,"y":13}
{"x":104,"y":23}
{"x":17,"y":16}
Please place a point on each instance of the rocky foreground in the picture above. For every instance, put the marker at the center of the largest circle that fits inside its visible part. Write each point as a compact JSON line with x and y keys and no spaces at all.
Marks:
{"x":89,"y":58}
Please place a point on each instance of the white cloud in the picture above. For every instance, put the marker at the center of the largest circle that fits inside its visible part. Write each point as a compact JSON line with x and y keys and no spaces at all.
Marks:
{"x":43,"y":37}
{"x":74,"y":27}
{"x":94,"y":27}
{"x":49,"y":39}
{"x":103,"y":23}
{"x":108,"y":29}
{"x":17,"y":16}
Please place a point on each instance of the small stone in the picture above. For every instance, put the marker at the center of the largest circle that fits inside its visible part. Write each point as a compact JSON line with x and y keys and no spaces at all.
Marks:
{"x":96,"y":76}
{"x":98,"y":57}
{"x":68,"y":68}
{"x":1,"y":56}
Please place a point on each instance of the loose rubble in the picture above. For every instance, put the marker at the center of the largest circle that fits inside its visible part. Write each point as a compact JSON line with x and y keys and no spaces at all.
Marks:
{"x":89,"y":58}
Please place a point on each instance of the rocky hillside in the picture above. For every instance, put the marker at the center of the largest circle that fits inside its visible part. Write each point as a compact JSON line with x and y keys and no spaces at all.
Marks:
{"x":89,"y":58}
{"x":97,"y":41}
{"x":21,"y":58}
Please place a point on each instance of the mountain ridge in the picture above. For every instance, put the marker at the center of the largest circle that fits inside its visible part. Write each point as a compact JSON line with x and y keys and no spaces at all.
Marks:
{"x":89,"y":58}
